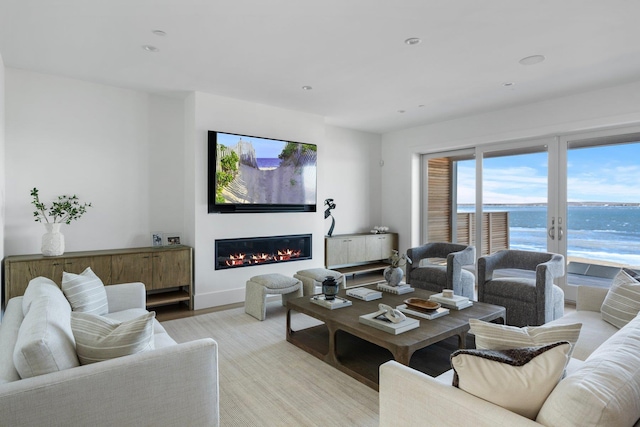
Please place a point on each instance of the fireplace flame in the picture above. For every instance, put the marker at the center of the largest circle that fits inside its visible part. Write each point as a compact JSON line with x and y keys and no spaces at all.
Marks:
{"x":237,"y":259}
{"x":287,"y":254}
{"x":260,"y":258}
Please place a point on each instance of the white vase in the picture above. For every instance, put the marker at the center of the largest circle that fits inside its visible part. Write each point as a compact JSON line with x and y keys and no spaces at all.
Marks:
{"x":52,"y":240}
{"x":393,"y":275}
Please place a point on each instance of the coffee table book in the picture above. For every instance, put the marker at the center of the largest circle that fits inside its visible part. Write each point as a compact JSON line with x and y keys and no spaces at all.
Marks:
{"x":388,"y":326}
{"x":457,"y":302}
{"x":442,"y":311}
{"x":364,"y":294}
{"x":401,"y":289}
{"x":337,"y":302}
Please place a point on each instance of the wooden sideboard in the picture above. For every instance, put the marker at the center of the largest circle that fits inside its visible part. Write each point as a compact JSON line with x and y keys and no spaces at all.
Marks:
{"x":360,"y":257}
{"x":165,"y":271}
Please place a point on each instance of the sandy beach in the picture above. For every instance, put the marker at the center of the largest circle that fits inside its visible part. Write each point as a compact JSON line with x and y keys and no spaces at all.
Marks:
{"x":283,"y":185}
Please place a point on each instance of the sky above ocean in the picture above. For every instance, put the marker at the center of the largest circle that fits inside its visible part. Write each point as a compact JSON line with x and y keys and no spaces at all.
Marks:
{"x":608,"y":174}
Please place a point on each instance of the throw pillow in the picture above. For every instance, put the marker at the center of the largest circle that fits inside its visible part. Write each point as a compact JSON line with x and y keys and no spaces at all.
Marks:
{"x":622,"y":302}
{"x":100,"y":338}
{"x":45,"y":341}
{"x":491,"y":336}
{"x":39,"y":287}
{"x":85,"y":292}
{"x":519,"y":380}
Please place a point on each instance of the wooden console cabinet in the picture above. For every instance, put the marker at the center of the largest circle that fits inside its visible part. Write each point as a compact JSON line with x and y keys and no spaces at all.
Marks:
{"x":360,"y":257}
{"x":166,"y":271}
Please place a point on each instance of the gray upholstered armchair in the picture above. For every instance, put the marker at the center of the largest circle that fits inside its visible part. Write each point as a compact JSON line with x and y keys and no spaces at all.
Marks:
{"x":529,"y":301}
{"x":434,"y":277}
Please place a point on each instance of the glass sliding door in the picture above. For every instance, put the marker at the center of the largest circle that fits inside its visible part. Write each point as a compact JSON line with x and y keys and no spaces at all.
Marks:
{"x":603,"y":208}
{"x":515,"y":195}
{"x":577,"y":195}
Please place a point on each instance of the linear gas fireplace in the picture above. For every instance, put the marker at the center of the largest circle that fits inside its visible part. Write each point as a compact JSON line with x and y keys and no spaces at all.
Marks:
{"x":235,"y":253}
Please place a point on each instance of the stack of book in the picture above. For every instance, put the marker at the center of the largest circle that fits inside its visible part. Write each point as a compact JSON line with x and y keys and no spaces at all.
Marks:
{"x":364,"y":294}
{"x":382,"y":323}
{"x":429,"y":315}
{"x":455,"y":302}
{"x":336,"y":302}
{"x":401,"y":289}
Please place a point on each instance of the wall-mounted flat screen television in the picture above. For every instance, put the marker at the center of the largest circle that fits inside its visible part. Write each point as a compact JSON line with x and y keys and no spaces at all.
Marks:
{"x":254,"y":174}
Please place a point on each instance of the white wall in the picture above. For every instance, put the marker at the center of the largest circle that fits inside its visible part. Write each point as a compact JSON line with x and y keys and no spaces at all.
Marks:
{"x":68,"y":136}
{"x":611,"y":107}
{"x":2,"y":174}
{"x":353,"y":174}
{"x":141,"y":160}
{"x":167,"y":163}
{"x":338,"y":168}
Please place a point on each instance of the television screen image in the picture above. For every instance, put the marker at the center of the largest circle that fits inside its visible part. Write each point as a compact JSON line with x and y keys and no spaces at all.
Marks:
{"x":253,"y":174}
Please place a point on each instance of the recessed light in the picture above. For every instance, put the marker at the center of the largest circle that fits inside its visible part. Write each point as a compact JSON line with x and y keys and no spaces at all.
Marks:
{"x":508,"y":84}
{"x":412,"y":41}
{"x":150,"y":48}
{"x":421,"y":106}
{"x":159,"y":33}
{"x":531,"y":60}
{"x":401,"y":111}
{"x":306,"y":88}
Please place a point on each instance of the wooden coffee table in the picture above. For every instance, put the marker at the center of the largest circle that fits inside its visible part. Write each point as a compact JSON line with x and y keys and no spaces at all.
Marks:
{"x":358,"y":350}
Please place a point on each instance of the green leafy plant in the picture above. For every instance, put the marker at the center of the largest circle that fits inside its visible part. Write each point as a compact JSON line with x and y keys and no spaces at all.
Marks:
{"x":65,"y":209}
{"x":229,"y":166}
{"x":292,"y":147}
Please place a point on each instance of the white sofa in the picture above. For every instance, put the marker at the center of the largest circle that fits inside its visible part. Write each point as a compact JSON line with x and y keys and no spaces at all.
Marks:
{"x":174,"y":384}
{"x":602,"y":353}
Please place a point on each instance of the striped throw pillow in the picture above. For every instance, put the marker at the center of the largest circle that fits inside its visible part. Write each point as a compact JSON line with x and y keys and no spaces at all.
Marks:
{"x":491,"y":336}
{"x":85,"y":292}
{"x":100,"y":338}
{"x":622,"y":302}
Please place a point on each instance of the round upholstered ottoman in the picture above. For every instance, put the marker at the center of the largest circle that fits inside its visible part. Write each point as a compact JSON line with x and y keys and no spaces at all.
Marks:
{"x":258,"y":287}
{"x":313,"y":277}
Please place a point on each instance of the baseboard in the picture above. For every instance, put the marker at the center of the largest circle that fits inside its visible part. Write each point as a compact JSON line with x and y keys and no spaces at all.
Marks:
{"x":215,"y":299}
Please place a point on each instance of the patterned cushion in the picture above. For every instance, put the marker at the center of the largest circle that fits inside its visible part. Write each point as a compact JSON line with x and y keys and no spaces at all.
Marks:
{"x":519,"y":380}
{"x":85,"y":292}
{"x":622,"y":302}
{"x":100,"y":338}
{"x":45,"y":341}
{"x":491,"y":336}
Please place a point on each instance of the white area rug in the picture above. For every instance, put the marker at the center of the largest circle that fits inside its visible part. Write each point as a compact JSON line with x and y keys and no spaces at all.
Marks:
{"x":266,"y":381}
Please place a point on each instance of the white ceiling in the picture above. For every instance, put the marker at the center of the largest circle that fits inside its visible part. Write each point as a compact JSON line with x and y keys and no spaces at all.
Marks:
{"x":352,"y":52}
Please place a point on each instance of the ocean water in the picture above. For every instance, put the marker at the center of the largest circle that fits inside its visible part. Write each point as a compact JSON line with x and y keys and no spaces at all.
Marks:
{"x":606,"y":233}
{"x":267,"y":163}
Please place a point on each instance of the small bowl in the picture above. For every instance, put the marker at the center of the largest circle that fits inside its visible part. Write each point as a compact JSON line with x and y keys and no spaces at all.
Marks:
{"x":421,"y":304}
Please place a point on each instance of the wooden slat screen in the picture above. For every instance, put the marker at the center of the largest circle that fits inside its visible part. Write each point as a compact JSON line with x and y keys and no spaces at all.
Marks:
{"x":495,"y":230}
{"x":439,"y":200}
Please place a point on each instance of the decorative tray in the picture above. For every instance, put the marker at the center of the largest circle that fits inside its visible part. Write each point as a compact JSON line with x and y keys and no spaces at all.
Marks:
{"x":421,"y":304}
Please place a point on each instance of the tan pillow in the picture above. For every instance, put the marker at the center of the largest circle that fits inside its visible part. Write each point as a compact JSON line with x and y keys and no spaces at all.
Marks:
{"x":622,"y":302}
{"x":85,"y":292}
{"x":491,"y":336}
{"x":100,"y":338}
{"x":519,"y":380}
